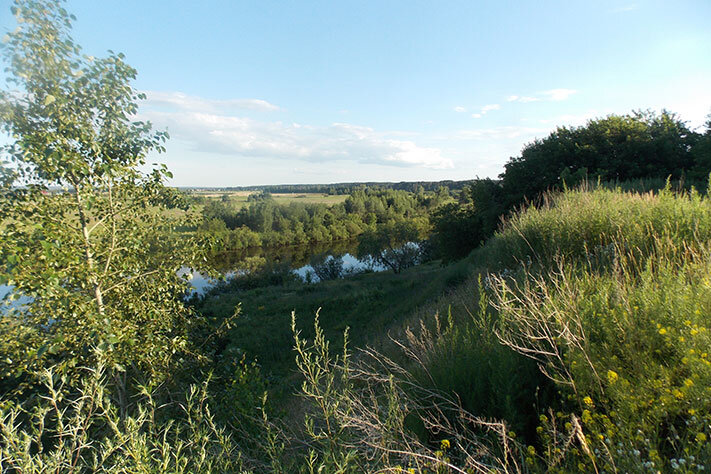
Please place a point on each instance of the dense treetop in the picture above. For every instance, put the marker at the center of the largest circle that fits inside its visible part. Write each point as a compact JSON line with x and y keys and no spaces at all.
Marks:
{"x":614,"y":149}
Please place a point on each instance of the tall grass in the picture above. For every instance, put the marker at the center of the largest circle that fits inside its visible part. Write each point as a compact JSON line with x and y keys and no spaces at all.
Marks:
{"x":577,"y":223}
{"x":81,"y":430}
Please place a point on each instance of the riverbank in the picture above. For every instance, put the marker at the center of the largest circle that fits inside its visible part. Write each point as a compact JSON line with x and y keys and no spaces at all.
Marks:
{"x":369,"y":304}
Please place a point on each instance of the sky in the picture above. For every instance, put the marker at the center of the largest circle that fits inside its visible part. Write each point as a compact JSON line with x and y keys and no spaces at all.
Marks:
{"x":286,"y":92}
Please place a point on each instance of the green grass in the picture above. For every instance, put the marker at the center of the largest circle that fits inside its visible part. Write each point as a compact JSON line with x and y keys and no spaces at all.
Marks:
{"x":370,"y":304}
{"x":579,"y":223}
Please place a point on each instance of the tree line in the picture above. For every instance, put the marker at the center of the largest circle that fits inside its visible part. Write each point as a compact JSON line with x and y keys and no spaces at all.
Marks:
{"x":265,"y":223}
{"x":344,"y":188}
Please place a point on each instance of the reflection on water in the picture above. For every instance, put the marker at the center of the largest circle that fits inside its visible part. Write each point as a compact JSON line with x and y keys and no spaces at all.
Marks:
{"x":297,"y":257}
{"x":351,"y":265}
{"x":233,"y":263}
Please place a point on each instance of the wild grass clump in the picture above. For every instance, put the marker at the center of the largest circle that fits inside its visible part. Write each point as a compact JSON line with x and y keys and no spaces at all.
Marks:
{"x":580,"y":224}
{"x":628,"y":349}
{"x":611,"y":297}
{"x":82,"y":431}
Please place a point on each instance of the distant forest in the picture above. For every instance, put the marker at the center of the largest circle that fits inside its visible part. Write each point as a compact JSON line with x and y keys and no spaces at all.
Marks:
{"x":341,"y":188}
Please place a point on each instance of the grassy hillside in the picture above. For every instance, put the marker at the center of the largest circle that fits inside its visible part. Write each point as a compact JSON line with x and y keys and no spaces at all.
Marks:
{"x":575,"y":340}
{"x":608,"y":292}
{"x":582,"y":325}
{"x":371,"y":305}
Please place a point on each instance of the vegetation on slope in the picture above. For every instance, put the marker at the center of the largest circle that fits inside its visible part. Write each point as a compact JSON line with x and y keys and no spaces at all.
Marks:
{"x":580,"y":342}
{"x":608,"y":292}
{"x":639,"y":147}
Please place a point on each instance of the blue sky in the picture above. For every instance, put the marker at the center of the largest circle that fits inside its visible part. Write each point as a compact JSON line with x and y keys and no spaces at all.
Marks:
{"x":268,"y":92}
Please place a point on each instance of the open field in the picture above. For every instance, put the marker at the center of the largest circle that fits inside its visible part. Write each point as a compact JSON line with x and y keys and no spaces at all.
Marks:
{"x":240,"y":197}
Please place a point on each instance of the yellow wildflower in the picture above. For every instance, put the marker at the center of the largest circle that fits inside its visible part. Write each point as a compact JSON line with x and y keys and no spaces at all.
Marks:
{"x":445,"y":444}
{"x":700,"y":438}
{"x":612,"y":376}
{"x":662,"y":331}
{"x":588,"y":401}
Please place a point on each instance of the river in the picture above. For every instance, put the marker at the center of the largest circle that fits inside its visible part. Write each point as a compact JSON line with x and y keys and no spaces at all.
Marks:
{"x":232,"y":263}
{"x":297,"y":257}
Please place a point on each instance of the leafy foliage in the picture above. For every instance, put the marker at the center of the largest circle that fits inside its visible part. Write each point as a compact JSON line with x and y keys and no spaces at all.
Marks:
{"x":614,"y":148}
{"x":461,"y":226}
{"x":84,"y":232}
{"x":265,"y":223}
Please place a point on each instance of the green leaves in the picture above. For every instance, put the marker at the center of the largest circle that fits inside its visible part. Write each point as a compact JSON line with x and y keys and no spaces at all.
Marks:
{"x":98,"y":257}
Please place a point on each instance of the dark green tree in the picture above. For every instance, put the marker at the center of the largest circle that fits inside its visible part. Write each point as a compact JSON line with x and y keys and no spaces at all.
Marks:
{"x":461,"y":227}
{"x":641,"y":145}
{"x":702,"y":155}
{"x":613,"y":149}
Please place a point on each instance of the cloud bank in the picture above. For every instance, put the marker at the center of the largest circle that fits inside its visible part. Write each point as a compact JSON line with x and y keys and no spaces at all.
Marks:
{"x":209,"y":127}
{"x":186,"y":102}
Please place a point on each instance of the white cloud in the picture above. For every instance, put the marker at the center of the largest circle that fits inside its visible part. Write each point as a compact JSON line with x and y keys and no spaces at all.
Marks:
{"x":524,"y":99}
{"x":460,"y":109}
{"x":490,"y":107}
{"x":187,"y":102}
{"x":240,"y":136}
{"x":558,"y":94}
{"x":484,"y":110}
